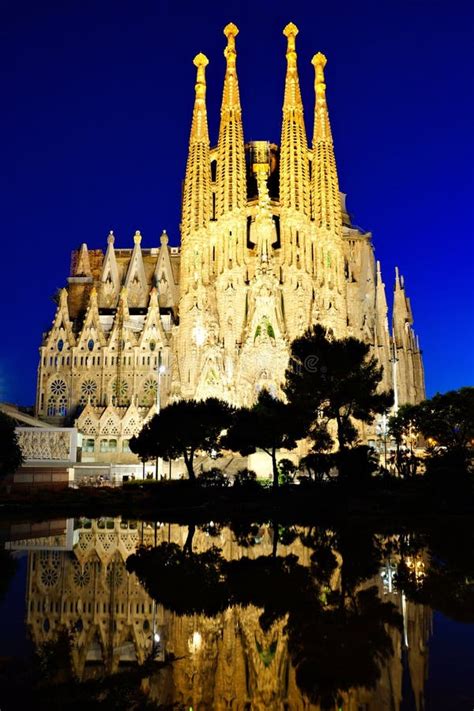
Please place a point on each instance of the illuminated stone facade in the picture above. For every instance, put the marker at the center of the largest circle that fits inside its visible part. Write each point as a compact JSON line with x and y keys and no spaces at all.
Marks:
{"x":267,"y":249}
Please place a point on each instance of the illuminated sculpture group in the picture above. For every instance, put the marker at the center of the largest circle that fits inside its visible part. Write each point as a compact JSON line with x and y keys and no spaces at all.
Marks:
{"x":267,"y":249}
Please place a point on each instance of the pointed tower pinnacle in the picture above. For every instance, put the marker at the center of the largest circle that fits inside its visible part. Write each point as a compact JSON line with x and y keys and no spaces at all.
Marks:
{"x":325,"y":183}
{"x":231,"y":175}
{"x":294,"y":167}
{"x":196,"y":192}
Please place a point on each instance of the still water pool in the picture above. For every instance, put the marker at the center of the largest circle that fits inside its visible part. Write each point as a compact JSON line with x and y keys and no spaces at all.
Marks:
{"x":123,"y":614}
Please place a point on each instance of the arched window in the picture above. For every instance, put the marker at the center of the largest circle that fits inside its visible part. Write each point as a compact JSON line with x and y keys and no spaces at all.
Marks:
{"x":57,"y":400}
{"x":90,"y":344}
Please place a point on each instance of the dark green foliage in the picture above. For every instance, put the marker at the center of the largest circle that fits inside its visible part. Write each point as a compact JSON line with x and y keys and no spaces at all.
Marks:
{"x":182,"y":429}
{"x":335,"y":380}
{"x":446,"y":421}
{"x":11,"y":457}
{"x":246,"y":478}
{"x":318,"y":465}
{"x":269,"y":425}
{"x":287,"y":471}
{"x":402,"y":424}
{"x":356,"y":465}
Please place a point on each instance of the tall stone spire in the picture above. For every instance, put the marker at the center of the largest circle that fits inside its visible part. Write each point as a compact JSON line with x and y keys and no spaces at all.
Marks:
{"x":231,"y":177}
{"x":294,"y":168}
{"x":197,"y":182}
{"x":325,"y":183}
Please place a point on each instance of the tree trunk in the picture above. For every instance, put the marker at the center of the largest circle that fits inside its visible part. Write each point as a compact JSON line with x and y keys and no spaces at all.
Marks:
{"x":340,"y":434}
{"x":275,"y":538}
{"x":188,"y":545}
{"x":275,"y":470}
{"x":188,"y":460}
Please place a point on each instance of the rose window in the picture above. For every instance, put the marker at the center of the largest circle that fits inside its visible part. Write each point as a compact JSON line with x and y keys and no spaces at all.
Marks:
{"x":149,"y":391}
{"x":49,"y":577}
{"x":88,"y":391}
{"x":58,"y":387}
{"x":120,"y":387}
{"x":82,"y":576}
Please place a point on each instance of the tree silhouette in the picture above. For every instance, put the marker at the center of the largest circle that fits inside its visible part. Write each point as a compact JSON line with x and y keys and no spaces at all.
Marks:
{"x":182,"y":429}
{"x":335,"y":380}
{"x":11,"y":457}
{"x":269,"y":425}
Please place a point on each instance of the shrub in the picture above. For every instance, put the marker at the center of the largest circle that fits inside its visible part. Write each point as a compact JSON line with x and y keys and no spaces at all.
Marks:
{"x":356,"y":465}
{"x":287,"y":470}
{"x":245,"y":477}
{"x":213,"y":479}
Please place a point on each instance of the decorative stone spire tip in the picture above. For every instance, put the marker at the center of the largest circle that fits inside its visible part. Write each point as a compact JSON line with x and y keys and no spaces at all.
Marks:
{"x":200,"y":60}
{"x":137,"y":238}
{"x":290,"y":33}
{"x":110,"y":237}
{"x":290,"y":30}
{"x":231,"y":30}
{"x":319,"y":60}
{"x":164,"y":238}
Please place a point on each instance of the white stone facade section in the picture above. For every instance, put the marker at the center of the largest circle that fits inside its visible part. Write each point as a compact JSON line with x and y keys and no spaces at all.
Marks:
{"x":55,"y":445}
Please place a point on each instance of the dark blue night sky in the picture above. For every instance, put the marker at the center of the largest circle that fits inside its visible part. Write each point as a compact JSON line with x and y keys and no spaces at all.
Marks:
{"x":96,"y":108}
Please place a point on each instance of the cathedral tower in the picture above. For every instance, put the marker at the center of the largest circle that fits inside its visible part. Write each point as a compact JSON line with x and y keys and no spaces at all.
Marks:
{"x":267,"y":250}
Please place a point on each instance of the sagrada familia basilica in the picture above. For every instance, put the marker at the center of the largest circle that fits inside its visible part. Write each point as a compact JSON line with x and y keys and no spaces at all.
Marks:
{"x":267,"y":249}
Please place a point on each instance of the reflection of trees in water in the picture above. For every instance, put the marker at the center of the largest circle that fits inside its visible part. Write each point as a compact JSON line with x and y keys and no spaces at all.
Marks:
{"x":338,"y":637}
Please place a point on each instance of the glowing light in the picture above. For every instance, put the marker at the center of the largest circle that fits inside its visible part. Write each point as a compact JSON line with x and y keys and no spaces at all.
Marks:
{"x":195,"y":642}
{"x":199,"y":335}
{"x":156,"y":637}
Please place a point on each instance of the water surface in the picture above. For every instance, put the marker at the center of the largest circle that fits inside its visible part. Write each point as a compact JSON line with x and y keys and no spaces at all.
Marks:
{"x":129,"y":614}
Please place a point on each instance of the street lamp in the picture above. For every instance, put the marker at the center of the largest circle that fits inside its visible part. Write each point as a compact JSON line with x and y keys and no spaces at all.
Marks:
{"x":160,"y":370}
{"x":382,"y":432}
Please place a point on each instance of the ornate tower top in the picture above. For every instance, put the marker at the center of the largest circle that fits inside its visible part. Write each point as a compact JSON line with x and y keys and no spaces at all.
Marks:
{"x":231,"y":31}
{"x":230,"y":176}
{"x":200,"y":61}
{"x":319,"y":61}
{"x":290,"y":31}
{"x":294,"y":166}
{"x":325,"y":188}
{"x":196,"y":192}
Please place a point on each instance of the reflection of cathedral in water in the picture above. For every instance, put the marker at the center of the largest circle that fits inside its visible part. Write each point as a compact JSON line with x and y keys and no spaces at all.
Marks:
{"x":226,"y":662}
